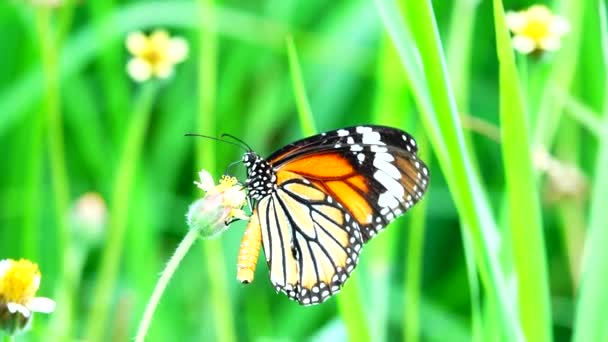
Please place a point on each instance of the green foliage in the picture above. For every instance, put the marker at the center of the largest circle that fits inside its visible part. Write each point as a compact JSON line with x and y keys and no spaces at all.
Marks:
{"x":491,"y":254}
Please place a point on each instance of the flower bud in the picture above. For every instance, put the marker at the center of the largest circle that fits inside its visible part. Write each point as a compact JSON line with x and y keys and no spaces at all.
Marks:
{"x":220,"y":205}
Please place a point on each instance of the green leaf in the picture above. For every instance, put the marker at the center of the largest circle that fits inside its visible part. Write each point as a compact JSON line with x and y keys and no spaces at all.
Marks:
{"x":592,"y":306}
{"x":524,"y":208}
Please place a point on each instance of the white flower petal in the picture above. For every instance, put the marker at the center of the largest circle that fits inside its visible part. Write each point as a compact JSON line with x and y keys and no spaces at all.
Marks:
{"x":5,"y":265}
{"x":41,"y":304}
{"x":136,"y":43}
{"x":139,"y":69}
{"x":177,"y":50}
{"x":560,"y":26}
{"x":239,"y":214}
{"x":206,"y":181}
{"x":523,"y":44}
{"x":163,"y":69}
{"x":14,"y":307}
{"x":515,"y":21}
{"x":160,"y":40}
{"x":36,"y":282}
{"x":234,"y":197}
{"x":550,"y":43}
{"x":539,"y":13}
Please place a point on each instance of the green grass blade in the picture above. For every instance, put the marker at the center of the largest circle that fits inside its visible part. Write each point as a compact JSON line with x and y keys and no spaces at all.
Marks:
{"x":592,"y":306}
{"x":50,"y":51}
{"x":299,"y":88}
{"x":562,"y":74}
{"x":524,"y":207}
{"x":442,"y":123}
{"x":213,"y":251}
{"x":349,"y":299}
{"x":119,"y":212}
{"x":415,"y":261}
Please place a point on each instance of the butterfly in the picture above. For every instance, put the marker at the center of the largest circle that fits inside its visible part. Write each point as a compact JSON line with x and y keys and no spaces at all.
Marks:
{"x":317,"y":201}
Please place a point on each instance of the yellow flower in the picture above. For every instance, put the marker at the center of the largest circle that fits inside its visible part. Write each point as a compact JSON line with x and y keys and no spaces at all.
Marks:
{"x":536,"y":29}
{"x":19,"y":282}
{"x":154,"y":55}
{"x":221,"y":204}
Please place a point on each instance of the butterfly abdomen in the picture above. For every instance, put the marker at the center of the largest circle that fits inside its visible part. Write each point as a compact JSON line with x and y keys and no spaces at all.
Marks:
{"x":249,"y":251}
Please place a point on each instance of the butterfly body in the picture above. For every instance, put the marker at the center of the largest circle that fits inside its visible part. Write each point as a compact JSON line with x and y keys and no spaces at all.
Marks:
{"x":318,"y":200}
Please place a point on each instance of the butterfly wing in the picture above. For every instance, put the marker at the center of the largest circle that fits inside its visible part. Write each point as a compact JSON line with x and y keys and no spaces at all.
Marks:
{"x":334,"y":192}
{"x":310,"y":241}
{"x":372,"y":171}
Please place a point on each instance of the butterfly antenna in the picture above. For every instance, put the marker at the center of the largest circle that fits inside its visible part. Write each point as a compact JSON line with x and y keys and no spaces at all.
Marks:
{"x":244,"y":144}
{"x":247,"y":149}
{"x":231,"y":165}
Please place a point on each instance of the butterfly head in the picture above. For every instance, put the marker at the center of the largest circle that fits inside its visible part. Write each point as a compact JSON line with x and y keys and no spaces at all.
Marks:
{"x":261,"y":179}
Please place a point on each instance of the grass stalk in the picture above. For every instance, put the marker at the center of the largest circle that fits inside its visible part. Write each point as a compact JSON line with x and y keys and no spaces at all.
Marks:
{"x":522,"y":194}
{"x":207,"y":157}
{"x":592,"y":304}
{"x":30,"y":235}
{"x":299,"y":88}
{"x":430,"y":87}
{"x":415,"y":261}
{"x":119,"y":210}
{"x":163,"y":281}
{"x":562,"y":75}
{"x":59,"y":177}
{"x":458,"y":59}
{"x":349,"y":300}
{"x":379,"y":264}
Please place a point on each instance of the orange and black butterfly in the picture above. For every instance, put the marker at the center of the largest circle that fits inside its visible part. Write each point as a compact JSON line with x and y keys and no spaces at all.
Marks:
{"x":317,"y":201}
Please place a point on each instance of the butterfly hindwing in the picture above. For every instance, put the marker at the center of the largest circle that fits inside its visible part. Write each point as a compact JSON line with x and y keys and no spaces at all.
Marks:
{"x":324,"y":241}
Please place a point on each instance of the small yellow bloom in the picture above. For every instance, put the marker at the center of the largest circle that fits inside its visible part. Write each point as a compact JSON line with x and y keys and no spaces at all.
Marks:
{"x":19,"y":282}
{"x":536,"y":29}
{"x":154,"y":55}
{"x":221,"y":204}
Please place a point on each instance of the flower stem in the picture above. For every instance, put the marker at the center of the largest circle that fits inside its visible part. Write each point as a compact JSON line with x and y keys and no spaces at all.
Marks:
{"x":161,"y":285}
{"x":57,"y":160}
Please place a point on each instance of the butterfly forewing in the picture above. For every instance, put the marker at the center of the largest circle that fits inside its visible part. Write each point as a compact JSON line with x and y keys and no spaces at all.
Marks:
{"x":372,"y":170}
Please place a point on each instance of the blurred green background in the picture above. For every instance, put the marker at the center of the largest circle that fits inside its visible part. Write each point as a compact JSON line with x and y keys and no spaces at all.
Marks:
{"x":73,"y":122}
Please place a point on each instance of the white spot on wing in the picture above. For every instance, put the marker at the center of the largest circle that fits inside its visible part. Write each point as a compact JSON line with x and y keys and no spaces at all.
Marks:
{"x":389,"y":183}
{"x":378,"y":149}
{"x":386,"y":200}
{"x":363,"y":129}
{"x":387,"y":167}
{"x":371,"y":138}
{"x":342,"y":132}
{"x":356,"y":148}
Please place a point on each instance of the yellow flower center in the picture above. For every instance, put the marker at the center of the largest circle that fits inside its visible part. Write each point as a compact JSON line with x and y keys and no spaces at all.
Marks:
{"x":539,"y":19}
{"x":20,"y":282}
{"x":153,"y":55}
{"x":536,"y":30}
{"x":227,"y":182}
